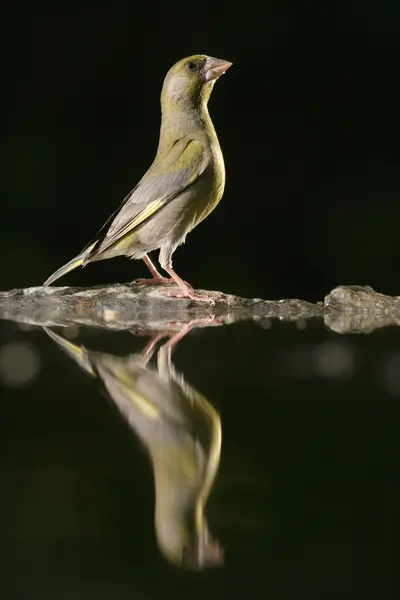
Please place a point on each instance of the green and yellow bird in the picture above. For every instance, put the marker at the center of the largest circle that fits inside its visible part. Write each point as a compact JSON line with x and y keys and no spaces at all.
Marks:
{"x":182,"y":433}
{"x":183,"y":185}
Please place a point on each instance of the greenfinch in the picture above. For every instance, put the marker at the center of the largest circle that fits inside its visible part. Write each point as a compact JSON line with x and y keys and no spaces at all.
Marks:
{"x":182,"y":434}
{"x":182,"y":186}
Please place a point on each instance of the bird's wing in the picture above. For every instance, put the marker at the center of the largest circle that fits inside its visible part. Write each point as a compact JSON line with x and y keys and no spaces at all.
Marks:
{"x":174,"y":170}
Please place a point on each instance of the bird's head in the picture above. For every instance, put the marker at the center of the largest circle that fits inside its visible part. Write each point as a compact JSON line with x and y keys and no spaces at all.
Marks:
{"x":190,"y":81}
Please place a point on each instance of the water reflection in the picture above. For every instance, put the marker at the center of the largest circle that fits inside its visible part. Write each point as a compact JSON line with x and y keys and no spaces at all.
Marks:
{"x":181,"y":432}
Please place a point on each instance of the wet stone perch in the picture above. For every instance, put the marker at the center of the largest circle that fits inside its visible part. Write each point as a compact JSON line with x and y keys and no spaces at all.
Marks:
{"x":362,"y":299}
{"x":136,"y":303}
{"x":126,"y":306}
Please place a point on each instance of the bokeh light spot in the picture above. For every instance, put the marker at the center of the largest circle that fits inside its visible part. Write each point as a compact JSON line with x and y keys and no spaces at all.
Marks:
{"x":19,"y":364}
{"x":333,"y":360}
{"x":391,"y":374}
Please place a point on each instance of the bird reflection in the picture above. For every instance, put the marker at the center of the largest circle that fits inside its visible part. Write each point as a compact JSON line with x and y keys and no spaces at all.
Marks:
{"x":181,"y":432}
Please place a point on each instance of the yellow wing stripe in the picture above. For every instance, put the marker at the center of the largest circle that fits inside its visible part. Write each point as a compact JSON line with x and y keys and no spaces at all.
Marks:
{"x":148,"y":409}
{"x":142,"y":216}
{"x":138,"y":220}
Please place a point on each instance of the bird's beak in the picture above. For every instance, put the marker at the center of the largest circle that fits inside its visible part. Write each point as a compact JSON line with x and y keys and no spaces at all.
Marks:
{"x":216,"y":69}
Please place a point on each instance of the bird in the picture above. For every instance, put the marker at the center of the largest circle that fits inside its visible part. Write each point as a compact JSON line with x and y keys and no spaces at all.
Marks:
{"x":181,"y":432}
{"x":181,"y":188}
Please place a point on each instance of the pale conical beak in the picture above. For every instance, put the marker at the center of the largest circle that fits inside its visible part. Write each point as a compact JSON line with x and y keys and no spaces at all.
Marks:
{"x":217,"y":69}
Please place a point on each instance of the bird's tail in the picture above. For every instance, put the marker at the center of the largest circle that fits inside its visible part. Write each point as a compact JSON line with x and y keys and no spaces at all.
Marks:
{"x":70,"y":266}
{"x":78,"y":261}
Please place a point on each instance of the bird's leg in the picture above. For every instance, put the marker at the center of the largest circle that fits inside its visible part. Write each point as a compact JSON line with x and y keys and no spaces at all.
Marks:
{"x":187,"y":290}
{"x":152,"y":268}
{"x":157,"y":278}
{"x":184,"y":285}
{"x":148,"y":350}
{"x":176,"y":337}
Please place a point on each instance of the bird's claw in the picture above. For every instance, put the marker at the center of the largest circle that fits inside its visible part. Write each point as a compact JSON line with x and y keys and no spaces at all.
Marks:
{"x":154,"y":281}
{"x":198,"y":297}
{"x":192,"y":296}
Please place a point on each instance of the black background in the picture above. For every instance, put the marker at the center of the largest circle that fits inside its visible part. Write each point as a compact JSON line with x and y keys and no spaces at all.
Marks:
{"x":307,"y":119}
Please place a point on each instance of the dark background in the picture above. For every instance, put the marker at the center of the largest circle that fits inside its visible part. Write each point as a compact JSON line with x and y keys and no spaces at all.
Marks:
{"x":307,"y":119}
{"x":306,"y":500}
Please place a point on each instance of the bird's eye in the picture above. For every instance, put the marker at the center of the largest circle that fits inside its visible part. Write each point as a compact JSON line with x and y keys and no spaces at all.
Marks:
{"x":190,"y":66}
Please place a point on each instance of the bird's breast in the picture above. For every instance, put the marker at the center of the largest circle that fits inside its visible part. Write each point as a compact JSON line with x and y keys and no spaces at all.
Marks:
{"x":211,"y":187}
{"x":218,"y":167}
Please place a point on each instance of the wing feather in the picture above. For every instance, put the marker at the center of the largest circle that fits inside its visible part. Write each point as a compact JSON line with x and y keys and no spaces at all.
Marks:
{"x":174,"y":170}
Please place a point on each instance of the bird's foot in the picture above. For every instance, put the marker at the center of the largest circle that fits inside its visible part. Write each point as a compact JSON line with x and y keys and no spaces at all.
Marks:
{"x":192,"y":295}
{"x":154,"y":281}
{"x":197,"y":296}
{"x":219,"y":297}
{"x":174,"y":338}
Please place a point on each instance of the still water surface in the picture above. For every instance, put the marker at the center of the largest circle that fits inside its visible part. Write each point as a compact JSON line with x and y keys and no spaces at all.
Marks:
{"x":238,"y":461}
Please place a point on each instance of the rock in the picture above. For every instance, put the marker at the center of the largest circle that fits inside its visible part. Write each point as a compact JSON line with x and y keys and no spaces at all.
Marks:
{"x":139,"y":307}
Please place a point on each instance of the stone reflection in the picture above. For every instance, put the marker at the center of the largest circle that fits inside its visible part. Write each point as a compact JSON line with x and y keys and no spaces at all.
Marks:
{"x":181,"y":432}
